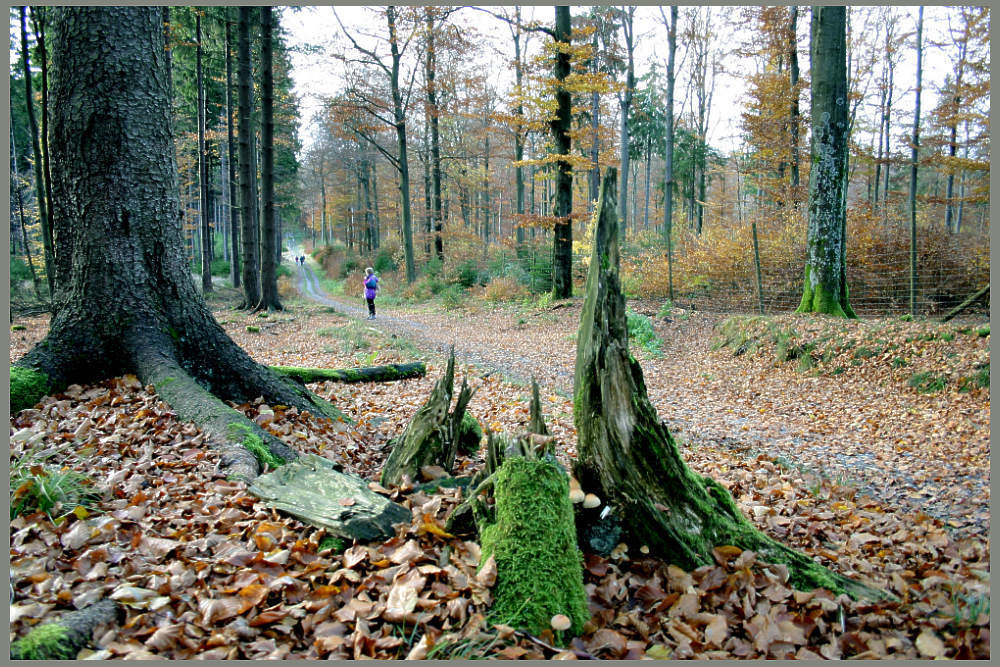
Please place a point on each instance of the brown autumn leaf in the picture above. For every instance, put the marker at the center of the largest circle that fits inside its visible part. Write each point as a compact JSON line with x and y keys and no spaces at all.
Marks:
{"x":716,"y":630}
{"x":487,"y":575}
{"x":929,"y":644}
{"x":219,"y":609}
{"x":157,"y":547}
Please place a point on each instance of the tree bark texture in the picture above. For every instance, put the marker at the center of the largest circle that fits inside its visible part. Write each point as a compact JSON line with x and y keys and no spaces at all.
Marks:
{"x":38,"y":19}
{"x":43,"y":216}
{"x":625,"y":453}
{"x":251,"y":272}
{"x":270,"y":240}
{"x":793,"y":82}
{"x":562,"y":248}
{"x":62,"y":639}
{"x":626,"y":105}
{"x":825,"y":286}
{"x":131,"y":305}
{"x":206,"y":229}
{"x":234,"y":211}
{"x":435,"y":136}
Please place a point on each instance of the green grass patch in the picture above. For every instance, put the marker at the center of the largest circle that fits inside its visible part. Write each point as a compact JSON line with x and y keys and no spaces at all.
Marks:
{"x":17,"y":327}
{"x":839,"y":370}
{"x":864,"y":353}
{"x":983,"y":332}
{"x":899,"y":362}
{"x":640,"y":331}
{"x":36,"y":486}
{"x":927,"y":382}
{"x":335,"y":543}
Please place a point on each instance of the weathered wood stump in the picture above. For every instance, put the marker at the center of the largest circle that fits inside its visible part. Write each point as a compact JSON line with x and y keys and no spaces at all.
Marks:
{"x":312,"y":490}
{"x":627,"y":456}
{"x":431,"y":437}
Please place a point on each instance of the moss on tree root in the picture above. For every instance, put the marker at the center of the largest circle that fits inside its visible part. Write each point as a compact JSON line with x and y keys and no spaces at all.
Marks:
{"x":63,"y":639}
{"x":533,"y":539}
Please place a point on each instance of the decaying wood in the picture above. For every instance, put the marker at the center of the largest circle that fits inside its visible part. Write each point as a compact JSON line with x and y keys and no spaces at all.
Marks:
{"x":965,"y":304}
{"x":311,"y":489}
{"x":431,"y":437}
{"x":62,"y":639}
{"x":388,"y":373}
{"x":627,"y":456}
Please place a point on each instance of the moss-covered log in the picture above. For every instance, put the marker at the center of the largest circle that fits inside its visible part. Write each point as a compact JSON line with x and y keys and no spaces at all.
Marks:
{"x":627,"y":456}
{"x":63,"y":639}
{"x":388,"y":373}
{"x":532,"y":536}
{"x":431,"y":437}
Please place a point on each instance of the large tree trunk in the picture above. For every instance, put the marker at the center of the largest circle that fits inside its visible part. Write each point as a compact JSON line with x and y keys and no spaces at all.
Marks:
{"x":206,"y":228}
{"x":270,"y":241}
{"x":399,"y":121}
{"x":234,"y":217}
{"x":131,"y":305}
{"x":562,"y":248}
{"x":668,"y":133}
{"x":519,"y":131}
{"x":628,"y":458}
{"x":825,"y":286}
{"x":251,"y":273}
{"x":38,"y":19}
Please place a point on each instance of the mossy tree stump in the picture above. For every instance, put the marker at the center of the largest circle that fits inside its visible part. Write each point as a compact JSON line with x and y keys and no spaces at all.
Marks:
{"x":627,"y":456}
{"x":531,"y":534}
{"x":431,"y":437}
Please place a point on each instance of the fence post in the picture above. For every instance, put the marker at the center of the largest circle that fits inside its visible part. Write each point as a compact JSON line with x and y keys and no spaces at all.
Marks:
{"x":756,"y":263}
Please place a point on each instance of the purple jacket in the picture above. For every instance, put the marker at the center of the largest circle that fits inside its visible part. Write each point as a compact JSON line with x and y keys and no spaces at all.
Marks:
{"x":371,"y":286}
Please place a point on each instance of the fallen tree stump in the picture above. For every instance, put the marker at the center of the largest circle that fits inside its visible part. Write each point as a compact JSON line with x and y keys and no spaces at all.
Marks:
{"x":311,"y":489}
{"x":62,"y":639}
{"x":388,"y":373}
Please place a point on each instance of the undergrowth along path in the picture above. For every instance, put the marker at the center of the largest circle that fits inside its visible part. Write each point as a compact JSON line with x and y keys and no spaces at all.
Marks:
{"x":926,"y":453}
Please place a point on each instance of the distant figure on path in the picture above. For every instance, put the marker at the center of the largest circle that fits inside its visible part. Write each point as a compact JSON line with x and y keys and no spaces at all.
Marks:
{"x":371,"y":288}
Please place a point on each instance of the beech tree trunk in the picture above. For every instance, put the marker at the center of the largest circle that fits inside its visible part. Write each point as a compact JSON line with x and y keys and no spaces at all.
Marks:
{"x":825,"y":285}
{"x":131,"y":305}
{"x":914,"y":150}
{"x":399,"y":122}
{"x":626,"y":455}
{"x":668,"y":133}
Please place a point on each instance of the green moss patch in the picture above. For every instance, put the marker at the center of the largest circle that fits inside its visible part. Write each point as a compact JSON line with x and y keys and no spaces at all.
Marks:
{"x":470,"y":434}
{"x":46,"y":642}
{"x":255,"y":445}
{"x":927,"y":382}
{"x":539,"y":567}
{"x":17,"y":327}
{"x":27,"y":386}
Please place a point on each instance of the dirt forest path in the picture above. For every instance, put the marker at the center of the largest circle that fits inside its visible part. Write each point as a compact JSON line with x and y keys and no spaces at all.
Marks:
{"x":906,"y":450}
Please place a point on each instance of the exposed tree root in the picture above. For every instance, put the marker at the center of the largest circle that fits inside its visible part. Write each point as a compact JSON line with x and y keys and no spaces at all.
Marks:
{"x":63,"y":639}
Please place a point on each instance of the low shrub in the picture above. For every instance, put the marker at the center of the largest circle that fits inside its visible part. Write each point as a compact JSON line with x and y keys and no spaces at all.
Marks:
{"x":504,"y":288}
{"x":640,"y":332}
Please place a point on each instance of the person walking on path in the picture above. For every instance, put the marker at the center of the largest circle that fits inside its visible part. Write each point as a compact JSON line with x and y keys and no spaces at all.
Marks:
{"x":371,"y":288}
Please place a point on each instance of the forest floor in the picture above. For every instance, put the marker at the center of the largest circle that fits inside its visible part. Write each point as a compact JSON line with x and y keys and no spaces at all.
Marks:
{"x":839,"y":457}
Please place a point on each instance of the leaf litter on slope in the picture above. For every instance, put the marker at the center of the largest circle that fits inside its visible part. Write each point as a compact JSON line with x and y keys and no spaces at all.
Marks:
{"x":206,"y":571}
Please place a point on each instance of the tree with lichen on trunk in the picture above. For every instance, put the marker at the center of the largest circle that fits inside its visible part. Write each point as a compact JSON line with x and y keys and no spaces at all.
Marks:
{"x":130,"y":305}
{"x":627,"y":456}
{"x":825,"y":289}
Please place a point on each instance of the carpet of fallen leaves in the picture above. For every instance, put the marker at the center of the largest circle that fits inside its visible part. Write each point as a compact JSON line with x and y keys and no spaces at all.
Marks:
{"x":205,"y":571}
